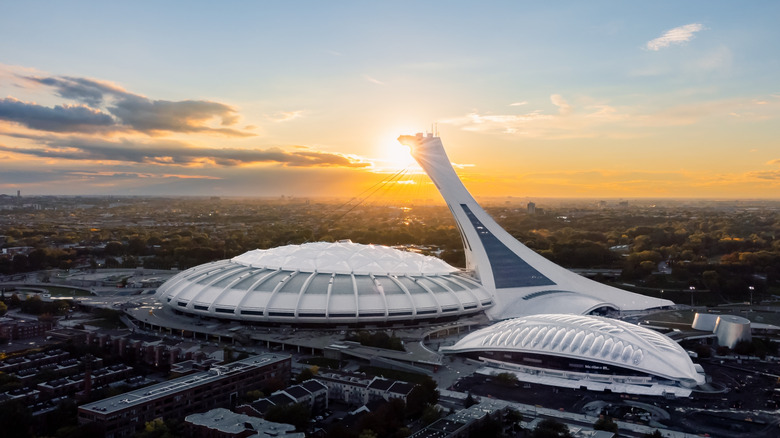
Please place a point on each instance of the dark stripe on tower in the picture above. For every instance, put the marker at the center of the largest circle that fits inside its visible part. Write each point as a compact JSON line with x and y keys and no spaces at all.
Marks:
{"x":509,"y":270}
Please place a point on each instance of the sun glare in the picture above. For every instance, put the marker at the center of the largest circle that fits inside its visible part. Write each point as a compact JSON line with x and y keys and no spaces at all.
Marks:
{"x":391,"y":156}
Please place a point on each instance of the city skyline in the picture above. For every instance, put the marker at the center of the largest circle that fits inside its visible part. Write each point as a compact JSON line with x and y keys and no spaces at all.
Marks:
{"x":589,"y":100}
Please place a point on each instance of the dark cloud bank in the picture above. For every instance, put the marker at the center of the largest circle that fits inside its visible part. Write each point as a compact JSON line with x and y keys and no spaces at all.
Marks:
{"x":106,"y":107}
{"x":175,"y":153}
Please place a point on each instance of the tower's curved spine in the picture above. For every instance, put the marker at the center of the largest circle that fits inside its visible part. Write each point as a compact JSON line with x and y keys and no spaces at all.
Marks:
{"x":522,"y":281}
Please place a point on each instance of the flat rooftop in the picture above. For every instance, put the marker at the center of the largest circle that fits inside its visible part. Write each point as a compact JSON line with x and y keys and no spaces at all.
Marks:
{"x":144,"y":395}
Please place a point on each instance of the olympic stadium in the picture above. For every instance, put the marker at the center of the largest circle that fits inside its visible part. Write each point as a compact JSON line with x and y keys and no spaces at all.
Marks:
{"x":347,"y":283}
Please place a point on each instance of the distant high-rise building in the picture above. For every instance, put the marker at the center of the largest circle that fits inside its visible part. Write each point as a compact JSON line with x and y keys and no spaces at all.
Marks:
{"x":18,"y":193}
{"x":531,"y":208}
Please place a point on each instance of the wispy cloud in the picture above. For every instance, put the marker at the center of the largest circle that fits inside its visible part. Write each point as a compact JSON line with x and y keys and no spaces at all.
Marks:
{"x":175,"y":153}
{"x":518,"y":103}
{"x":771,"y":175}
{"x":286,"y":116}
{"x":588,"y":118}
{"x":563,"y":107}
{"x":96,"y":174}
{"x":373,"y":80}
{"x":113,"y":108}
{"x":678,"y":35}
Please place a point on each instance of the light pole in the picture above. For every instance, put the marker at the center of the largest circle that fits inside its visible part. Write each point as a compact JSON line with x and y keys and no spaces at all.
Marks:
{"x":751,"y":288}
{"x":693,"y":289}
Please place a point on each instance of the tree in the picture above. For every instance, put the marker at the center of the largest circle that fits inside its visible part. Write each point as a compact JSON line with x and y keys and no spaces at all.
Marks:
{"x":19,"y":263}
{"x":305,"y":375}
{"x":16,"y":419}
{"x":3,"y":308}
{"x":606,"y":423}
{"x":114,"y":248}
{"x":469,"y":402}
{"x":367,"y":433}
{"x":550,"y":428}
{"x":506,"y":379}
{"x":158,"y":428}
{"x":296,"y":414}
{"x":430,"y":414}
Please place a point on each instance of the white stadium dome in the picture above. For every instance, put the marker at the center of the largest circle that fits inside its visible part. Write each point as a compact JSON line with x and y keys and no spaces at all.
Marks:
{"x":582,"y":343}
{"x":337,"y":283}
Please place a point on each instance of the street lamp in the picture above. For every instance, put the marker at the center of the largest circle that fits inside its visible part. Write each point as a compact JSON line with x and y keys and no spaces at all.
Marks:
{"x":693,"y":289}
{"x":751,"y":288}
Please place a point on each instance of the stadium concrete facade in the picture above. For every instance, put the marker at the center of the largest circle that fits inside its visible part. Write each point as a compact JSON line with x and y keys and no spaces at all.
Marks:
{"x":346,"y":283}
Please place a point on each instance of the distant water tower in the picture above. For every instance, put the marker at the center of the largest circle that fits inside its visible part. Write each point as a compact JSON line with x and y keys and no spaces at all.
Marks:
{"x":531,"y":208}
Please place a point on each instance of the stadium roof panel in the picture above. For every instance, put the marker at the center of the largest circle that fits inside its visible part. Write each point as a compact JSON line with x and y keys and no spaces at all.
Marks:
{"x":589,"y":338}
{"x":344,"y":258}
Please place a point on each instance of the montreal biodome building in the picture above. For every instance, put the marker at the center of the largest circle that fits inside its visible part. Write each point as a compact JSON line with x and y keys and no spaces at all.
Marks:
{"x":343,"y":283}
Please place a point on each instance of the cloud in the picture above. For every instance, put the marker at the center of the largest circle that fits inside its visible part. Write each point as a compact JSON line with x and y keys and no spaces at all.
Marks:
{"x":174,"y":153}
{"x":678,"y":35}
{"x":589,"y":118}
{"x":518,"y":103}
{"x":771,"y":175}
{"x":774,"y":162}
{"x":373,"y":80}
{"x":104,"y":174}
{"x":134,"y":112}
{"x":563,"y":107}
{"x":152,"y":116}
{"x":60,"y":118}
{"x":88,"y":91}
{"x":286,"y":116}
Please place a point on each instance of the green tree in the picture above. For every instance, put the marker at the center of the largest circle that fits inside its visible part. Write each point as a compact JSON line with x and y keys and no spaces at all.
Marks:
{"x":367,"y":433}
{"x":550,"y":428}
{"x":158,"y":428}
{"x":307,"y":373}
{"x":430,"y":414}
{"x":606,"y":423}
{"x":506,"y":379}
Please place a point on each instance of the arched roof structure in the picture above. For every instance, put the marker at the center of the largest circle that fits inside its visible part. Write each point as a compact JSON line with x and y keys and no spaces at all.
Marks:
{"x":586,"y":338}
{"x":319,"y":283}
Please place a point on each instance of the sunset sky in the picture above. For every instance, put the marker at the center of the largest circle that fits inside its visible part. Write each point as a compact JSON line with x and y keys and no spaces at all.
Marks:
{"x":598,"y":99}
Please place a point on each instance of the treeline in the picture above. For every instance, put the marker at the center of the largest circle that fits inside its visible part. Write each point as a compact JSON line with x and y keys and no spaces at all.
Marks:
{"x":725,"y":251}
{"x":378,"y":339}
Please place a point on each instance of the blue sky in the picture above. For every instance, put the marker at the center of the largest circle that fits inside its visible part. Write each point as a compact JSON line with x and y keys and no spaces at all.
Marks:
{"x":591,"y":99}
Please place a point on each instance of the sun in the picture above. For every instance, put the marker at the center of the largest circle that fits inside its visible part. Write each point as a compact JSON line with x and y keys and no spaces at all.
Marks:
{"x":392,"y":156}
